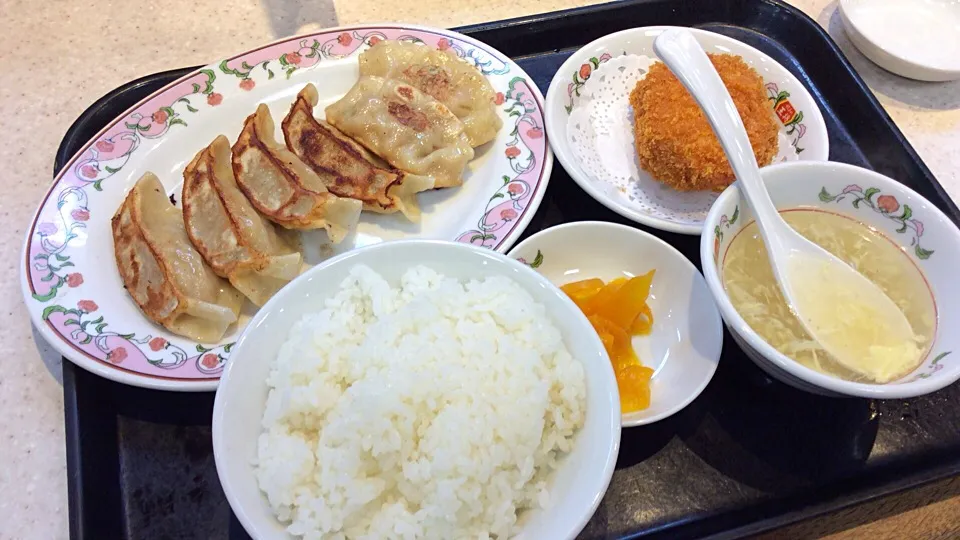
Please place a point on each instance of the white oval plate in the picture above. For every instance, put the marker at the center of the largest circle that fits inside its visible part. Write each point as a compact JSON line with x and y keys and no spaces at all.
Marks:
{"x":70,"y":282}
{"x":684,"y":346}
{"x":646,"y":201}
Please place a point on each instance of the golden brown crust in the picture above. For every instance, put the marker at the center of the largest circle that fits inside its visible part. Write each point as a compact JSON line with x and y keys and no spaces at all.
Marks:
{"x":163,"y":272}
{"x":442,"y":75}
{"x":330,"y":156}
{"x":432,"y":80}
{"x":215,"y":226}
{"x":407,"y":116}
{"x":283,"y":188}
{"x":134,"y":253}
{"x":236,"y":241}
{"x":405,"y":127}
{"x":674,"y":141}
{"x":248,"y":140}
{"x":197,"y":176}
{"x":346,"y":168}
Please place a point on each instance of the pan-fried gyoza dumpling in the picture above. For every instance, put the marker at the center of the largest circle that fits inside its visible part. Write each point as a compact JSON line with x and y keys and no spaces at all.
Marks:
{"x":282,"y":187}
{"x":163,"y":273}
{"x":407,"y":128}
{"x":442,"y":75}
{"x":345,"y":167}
{"x":236,"y":241}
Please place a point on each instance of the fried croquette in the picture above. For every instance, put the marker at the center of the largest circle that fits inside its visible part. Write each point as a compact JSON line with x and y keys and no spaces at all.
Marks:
{"x":674,"y":140}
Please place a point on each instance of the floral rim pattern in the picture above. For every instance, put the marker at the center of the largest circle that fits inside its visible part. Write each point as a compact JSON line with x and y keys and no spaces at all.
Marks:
{"x":535,"y":263}
{"x":886,"y":205}
{"x":580,"y":77}
{"x":889,"y":207}
{"x":59,"y":226}
{"x":789,"y":116}
{"x":933,"y":367}
{"x":720,"y":229}
{"x":525,"y":152}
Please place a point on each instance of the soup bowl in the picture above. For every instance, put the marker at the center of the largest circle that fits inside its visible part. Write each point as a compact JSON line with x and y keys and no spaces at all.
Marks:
{"x":918,"y":228}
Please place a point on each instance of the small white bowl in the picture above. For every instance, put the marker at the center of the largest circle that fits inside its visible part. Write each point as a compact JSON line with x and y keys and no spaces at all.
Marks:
{"x":576,"y":488}
{"x":803,"y":132}
{"x":919,"y":40}
{"x":687,"y":337}
{"x":914,"y":224}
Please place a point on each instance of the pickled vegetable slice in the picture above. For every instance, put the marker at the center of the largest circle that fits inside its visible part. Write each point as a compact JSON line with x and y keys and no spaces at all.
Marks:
{"x":643,"y":324}
{"x":621,"y":350}
{"x":627,"y":302}
{"x":581,"y":292}
{"x":592,"y":285}
{"x":618,"y":311}
{"x":604,"y":296}
{"x":634,"y":384}
{"x":606,"y":339}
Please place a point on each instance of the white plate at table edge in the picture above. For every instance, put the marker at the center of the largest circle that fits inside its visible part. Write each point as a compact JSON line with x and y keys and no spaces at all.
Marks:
{"x":810,"y":127}
{"x":881,"y":47}
{"x":75,"y":319}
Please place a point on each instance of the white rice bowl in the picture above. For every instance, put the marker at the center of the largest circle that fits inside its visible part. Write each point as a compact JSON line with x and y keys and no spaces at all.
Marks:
{"x":574,"y":489}
{"x":436,"y":409}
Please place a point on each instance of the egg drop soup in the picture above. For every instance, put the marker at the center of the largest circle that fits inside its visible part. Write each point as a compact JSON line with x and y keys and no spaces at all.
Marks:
{"x":754,"y":293}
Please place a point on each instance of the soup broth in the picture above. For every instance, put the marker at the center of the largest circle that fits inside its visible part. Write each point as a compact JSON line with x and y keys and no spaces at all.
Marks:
{"x":754,"y":293}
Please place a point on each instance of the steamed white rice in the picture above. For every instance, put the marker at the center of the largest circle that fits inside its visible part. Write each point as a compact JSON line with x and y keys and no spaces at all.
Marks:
{"x":436,"y":409}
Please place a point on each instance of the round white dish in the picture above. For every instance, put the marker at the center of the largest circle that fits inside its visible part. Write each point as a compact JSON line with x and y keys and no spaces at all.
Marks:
{"x":926,"y":235}
{"x":579,"y":484}
{"x":69,"y":280}
{"x":918,"y":40}
{"x":687,"y":337}
{"x":643,"y":200}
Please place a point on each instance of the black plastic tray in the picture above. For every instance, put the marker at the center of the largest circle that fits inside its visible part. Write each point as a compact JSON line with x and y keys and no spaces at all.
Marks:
{"x":749,"y":455}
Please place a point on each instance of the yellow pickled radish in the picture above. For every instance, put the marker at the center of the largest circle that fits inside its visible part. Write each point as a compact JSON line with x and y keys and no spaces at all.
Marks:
{"x":634,"y":384}
{"x":581,"y":292}
{"x":604,"y":296}
{"x":643,"y":324}
{"x":618,"y":310}
{"x":627,"y":302}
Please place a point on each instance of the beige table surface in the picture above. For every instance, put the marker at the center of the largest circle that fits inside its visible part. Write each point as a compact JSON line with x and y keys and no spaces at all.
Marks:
{"x":58,"y":56}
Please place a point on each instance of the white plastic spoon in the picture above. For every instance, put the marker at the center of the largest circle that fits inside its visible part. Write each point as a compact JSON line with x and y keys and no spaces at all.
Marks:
{"x":846,"y":313}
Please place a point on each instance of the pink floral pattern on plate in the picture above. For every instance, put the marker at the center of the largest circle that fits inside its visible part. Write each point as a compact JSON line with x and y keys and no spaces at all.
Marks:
{"x":580,"y":77}
{"x":787,"y":115}
{"x":932,"y":367}
{"x":525,"y":151}
{"x":145,"y":354}
{"x":55,"y":277}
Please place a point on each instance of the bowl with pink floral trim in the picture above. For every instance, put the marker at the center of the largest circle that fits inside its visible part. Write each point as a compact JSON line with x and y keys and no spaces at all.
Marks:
{"x":924,"y":235}
{"x":69,"y":280}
